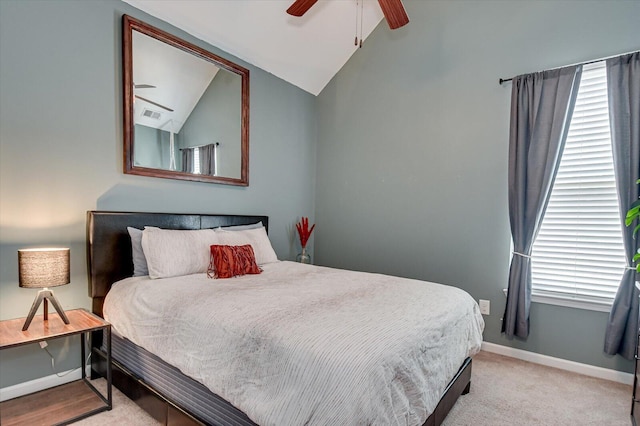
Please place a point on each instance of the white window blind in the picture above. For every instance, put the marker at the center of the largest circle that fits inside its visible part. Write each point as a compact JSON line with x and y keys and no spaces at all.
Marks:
{"x":579,"y":253}
{"x":196,"y":161}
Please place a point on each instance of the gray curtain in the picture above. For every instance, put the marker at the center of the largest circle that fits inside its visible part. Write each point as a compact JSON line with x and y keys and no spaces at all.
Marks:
{"x":541,"y":108}
{"x":208,"y":159}
{"x":187,"y":160}
{"x":623,"y":81}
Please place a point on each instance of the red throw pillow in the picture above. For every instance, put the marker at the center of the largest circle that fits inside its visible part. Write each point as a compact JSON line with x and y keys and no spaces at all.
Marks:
{"x":230,"y":261}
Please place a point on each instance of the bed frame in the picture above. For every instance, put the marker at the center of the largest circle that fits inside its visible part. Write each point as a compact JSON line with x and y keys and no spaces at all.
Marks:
{"x":109,"y":260}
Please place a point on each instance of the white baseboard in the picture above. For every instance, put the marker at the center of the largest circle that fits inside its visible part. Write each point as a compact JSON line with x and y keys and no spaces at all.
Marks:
{"x":563,"y":364}
{"x":42,"y":383}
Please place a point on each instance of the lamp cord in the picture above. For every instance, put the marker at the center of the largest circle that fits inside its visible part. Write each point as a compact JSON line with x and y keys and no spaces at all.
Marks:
{"x":360,"y":5}
{"x":361,"y":19}
{"x":356,"y":40}
{"x":53,"y":363}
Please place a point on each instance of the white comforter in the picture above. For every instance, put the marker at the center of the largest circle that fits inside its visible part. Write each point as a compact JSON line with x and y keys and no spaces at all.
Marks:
{"x":306,"y":345}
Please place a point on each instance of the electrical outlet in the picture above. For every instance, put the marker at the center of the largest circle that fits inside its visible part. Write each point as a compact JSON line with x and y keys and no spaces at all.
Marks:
{"x":485,"y":306}
{"x":43,"y":344}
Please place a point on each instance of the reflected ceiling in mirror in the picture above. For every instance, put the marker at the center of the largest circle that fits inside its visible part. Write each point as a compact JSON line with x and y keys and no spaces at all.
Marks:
{"x":186,"y":109}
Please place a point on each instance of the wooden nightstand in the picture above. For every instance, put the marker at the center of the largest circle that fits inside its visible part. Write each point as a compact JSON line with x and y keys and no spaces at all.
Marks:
{"x":66,"y":403}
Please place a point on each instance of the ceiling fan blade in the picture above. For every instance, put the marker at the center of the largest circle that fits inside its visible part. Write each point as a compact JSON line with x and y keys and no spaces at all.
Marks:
{"x":143,"y":86}
{"x":300,"y":7}
{"x":394,"y":12}
{"x":154,"y":103}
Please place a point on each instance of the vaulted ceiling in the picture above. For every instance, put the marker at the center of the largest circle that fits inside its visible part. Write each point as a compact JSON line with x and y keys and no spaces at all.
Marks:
{"x":306,"y":51}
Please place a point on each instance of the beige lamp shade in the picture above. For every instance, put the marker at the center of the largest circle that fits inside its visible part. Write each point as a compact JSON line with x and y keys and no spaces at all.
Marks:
{"x":43,"y":267}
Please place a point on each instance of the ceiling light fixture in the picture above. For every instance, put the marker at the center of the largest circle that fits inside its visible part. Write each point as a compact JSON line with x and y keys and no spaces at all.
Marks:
{"x":393,"y":11}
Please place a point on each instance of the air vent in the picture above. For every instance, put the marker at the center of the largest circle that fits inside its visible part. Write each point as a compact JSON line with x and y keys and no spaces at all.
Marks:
{"x":151,"y":114}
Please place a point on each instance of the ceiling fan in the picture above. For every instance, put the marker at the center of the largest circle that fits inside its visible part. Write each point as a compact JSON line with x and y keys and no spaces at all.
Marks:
{"x":393,"y":11}
{"x":149,"y":86}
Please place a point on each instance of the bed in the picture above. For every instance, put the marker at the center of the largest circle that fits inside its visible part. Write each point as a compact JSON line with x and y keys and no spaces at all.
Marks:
{"x":154,"y":376}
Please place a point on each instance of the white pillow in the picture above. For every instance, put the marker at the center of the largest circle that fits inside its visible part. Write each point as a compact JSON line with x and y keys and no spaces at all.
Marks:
{"x":172,"y":253}
{"x":258,"y":239}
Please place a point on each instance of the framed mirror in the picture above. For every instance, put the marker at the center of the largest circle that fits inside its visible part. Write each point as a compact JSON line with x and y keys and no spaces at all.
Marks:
{"x":186,"y":110}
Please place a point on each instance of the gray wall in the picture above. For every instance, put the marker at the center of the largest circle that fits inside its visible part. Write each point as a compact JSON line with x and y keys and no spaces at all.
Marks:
{"x":218,"y":118}
{"x":153,"y":148}
{"x":61,"y":152}
{"x":413,"y":144}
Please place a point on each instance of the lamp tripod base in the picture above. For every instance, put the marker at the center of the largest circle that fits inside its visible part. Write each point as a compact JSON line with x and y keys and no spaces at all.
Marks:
{"x":45,"y":296}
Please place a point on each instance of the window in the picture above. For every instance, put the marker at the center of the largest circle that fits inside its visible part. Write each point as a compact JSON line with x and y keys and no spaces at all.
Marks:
{"x":578,"y":254}
{"x":196,"y":161}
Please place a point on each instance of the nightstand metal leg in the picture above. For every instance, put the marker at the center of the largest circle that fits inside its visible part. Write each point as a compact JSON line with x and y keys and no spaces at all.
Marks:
{"x":83,"y":337}
{"x":109,"y":366}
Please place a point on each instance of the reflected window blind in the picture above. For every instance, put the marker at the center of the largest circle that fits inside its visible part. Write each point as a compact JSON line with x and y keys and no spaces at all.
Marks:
{"x":196,"y":161}
{"x":579,"y":253}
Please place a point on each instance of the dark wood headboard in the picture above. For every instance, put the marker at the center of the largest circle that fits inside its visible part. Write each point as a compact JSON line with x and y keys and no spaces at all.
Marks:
{"x":109,"y":256}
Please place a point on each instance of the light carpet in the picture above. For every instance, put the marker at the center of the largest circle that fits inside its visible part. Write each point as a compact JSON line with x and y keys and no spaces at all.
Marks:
{"x":504,"y":391}
{"x":507,"y":391}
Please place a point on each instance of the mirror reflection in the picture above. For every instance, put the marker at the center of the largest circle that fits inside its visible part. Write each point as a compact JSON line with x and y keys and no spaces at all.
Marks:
{"x":188,"y":112}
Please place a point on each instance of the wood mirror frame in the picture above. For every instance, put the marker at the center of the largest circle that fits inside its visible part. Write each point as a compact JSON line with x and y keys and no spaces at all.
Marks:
{"x":131,"y":24}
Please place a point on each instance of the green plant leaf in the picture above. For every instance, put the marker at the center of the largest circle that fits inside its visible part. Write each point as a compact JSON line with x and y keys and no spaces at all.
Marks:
{"x":633,"y":213}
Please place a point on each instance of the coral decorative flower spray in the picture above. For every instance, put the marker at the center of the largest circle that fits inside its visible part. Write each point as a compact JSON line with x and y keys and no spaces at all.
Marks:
{"x":304,"y":232}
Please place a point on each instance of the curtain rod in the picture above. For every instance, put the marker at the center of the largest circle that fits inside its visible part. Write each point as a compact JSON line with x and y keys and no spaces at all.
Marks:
{"x":504,"y":80}
{"x":200,"y":146}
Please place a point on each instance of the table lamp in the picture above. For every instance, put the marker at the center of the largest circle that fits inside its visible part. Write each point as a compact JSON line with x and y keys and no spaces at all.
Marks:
{"x":43,"y":268}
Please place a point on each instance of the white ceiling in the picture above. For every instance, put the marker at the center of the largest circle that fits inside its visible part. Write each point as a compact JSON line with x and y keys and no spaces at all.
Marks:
{"x":306,"y":51}
{"x":178,"y":81}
